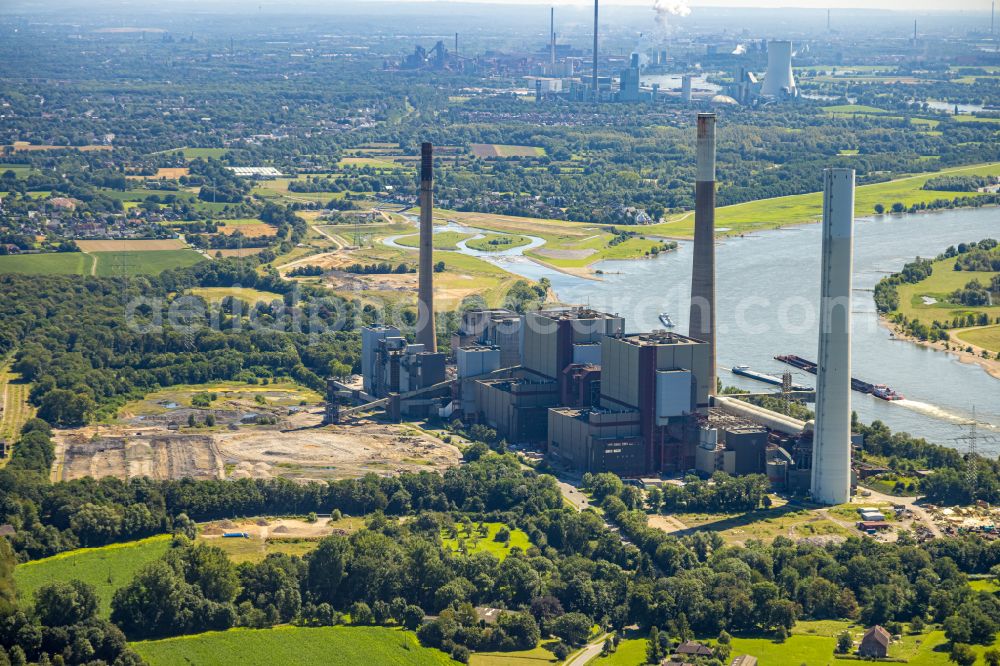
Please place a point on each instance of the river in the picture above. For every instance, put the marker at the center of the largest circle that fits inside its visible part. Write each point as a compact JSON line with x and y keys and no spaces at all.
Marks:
{"x":768,"y":285}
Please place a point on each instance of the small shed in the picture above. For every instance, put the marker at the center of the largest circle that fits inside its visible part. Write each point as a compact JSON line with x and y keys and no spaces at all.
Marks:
{"x":875,"y":643}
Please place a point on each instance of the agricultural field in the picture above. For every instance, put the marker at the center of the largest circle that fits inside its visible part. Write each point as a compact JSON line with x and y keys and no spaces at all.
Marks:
{"x":62,"y":263}
{"x":927,"y":300}
{"x":248,"y":227}
{"x":245,"y":294}
{"x":304,"y":646}
{"x":24,"y":146}
{"x":131,"y":245}
{"x":373,"y":162}
{"x":194,"y":153}
{"x":492,"y":150}
{"x":110,"y":264}
{"x":16,"y":408}
{"x":107,"y":568}
{"x":473,"y":541}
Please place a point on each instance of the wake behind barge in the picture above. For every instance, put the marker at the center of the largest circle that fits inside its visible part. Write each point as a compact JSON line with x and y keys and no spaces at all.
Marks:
{"x":878,"y":390}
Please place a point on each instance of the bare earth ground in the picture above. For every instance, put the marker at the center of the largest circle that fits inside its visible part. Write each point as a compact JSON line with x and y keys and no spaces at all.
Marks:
{"x":128,"y":453}
{"x":285,"y":528}
{"x":334,"y":452}
{"x":306,"y":453}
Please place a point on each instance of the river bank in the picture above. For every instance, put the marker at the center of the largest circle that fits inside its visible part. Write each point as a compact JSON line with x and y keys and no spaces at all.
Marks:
{"x":955,"y":347}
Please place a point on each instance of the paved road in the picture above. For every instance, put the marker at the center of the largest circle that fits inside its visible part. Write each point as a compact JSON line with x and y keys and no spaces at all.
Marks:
{"x":575,"y":497}
{"x":590,"y":652}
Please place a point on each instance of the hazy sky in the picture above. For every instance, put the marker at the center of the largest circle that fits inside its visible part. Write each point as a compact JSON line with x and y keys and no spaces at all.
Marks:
{"x":901,"y":5}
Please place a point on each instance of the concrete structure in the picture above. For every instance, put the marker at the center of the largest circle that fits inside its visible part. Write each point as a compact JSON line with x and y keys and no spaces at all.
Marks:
{"x":780,"y":81}
{"x":595,"y":88}
{"x":426,"y":333}
{"x":370,"y":338}
{"x":391,"y":365}
{"x":650,"y":386}
{"x":831,"y":456}
{"x":516,"y":407}
{"x":628,"y":87}
{"x":551,"y":337}
{"x":702,"y":320}
{"x":686,"y":81}
{"x":498,"y":328}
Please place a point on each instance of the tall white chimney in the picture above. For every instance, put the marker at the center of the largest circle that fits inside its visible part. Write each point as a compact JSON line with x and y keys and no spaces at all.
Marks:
{"x":831,"y":460}
{"x":780,"y":81}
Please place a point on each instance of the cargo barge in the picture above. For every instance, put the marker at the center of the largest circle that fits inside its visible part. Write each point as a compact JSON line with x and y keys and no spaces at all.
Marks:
{"x":745,"y":371}
{"x":878,"y":390}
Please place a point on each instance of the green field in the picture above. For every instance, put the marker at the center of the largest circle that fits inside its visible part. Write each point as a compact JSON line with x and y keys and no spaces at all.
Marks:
{"x":443,"y":240}
{"x":630,"y":652}
{"x":374,"y":162}
{"x":538,"y":656}
{"x":848,"y":109}
{"x":503,"y":242}
{"x":987,"y":337}
{"x":476,"y":543}
{"x":245,"y":294}
{"x":943,"y":281}
{"x":301,"y":646}
{"x":804,"y":208}
{"x":20,"y":170}
{"x":62,"y":263}
{"x":203,"y":153}
{"x":110,"y":264}
{"x":106,"y":568}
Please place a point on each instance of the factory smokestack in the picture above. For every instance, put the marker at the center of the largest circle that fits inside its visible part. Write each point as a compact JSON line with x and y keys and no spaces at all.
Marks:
{"x":702,"y":320}
{"x":831,"y":459}
{"x":596,"y":90}
{"x":426,"y":335}
{"x":552,"y":37}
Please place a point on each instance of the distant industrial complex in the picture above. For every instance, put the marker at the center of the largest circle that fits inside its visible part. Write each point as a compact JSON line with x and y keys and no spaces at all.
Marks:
{"x":559,"y":71}
{"x":573,"y":384}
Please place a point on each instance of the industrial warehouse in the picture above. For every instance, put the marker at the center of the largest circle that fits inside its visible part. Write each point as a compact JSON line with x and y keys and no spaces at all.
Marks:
{"x":573,"y":384}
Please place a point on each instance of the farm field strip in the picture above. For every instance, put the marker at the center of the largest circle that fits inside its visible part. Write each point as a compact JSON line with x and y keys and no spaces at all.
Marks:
{"x":303,"y":646}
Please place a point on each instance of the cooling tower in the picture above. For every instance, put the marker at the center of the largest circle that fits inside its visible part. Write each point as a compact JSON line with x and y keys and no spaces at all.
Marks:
{"x":702,"y":321}
{"x":831,"y":460}
{"x":779,"y":81}
{"x":426,"y":335}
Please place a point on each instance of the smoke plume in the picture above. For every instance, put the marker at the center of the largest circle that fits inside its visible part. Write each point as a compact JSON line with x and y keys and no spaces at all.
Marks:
{"x":667,"y":8}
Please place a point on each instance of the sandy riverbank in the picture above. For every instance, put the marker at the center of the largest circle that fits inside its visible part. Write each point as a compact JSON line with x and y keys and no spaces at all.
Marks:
{"x":990,"y":365}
